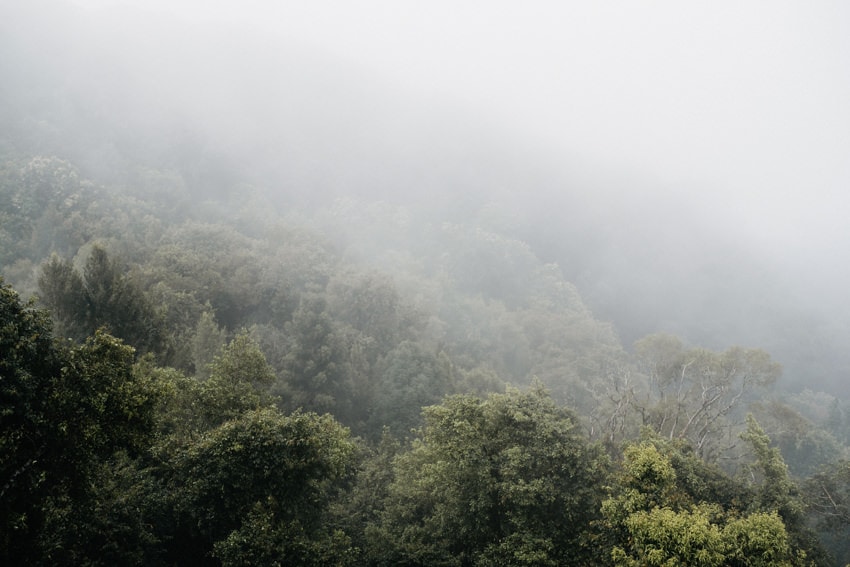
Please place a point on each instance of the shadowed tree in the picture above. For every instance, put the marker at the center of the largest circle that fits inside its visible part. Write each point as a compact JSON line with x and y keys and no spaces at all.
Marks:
{"x":63,"y":412}
{"x":411,"y":378}
{"x":257,"y":488}
{"x":313,"y":376}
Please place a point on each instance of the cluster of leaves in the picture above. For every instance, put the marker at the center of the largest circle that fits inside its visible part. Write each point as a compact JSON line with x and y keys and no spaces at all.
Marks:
{"x":669,"y":508}
{"x":503,"y":481}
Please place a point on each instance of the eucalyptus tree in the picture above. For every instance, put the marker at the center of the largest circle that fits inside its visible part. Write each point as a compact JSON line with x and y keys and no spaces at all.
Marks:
{"x":697,"y":394}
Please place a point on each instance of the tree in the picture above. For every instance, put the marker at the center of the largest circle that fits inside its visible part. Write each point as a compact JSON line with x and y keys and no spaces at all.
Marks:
{"x":777,"y":492}
{"x":371,"y":304}
{"x":63,"y":411}
{"x":804,"y":446}
{"x":62,"y":290}
{"x":504,"y":481}
{"x":239,"y":380}
{"x":102,"y":297}
{"x":411,"y":377}
{"x":313,"y":377}
{"x":261,"y":470}
{"x":694,"y":393}
{"x":660,"y":513}
{"x":827,"y":497}
{"x":207,"y":340}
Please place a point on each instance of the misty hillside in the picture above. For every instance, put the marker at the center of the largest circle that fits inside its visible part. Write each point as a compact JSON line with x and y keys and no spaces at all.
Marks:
{"x":436,"y":337}
{"x":303,"y":129}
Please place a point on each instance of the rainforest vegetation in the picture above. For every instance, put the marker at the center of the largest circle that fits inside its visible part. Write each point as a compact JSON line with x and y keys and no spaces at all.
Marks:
{"x":189,"y":385}
{"x":200,"y":365}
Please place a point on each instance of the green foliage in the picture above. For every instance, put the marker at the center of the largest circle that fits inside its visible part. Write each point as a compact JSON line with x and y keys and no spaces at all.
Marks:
{"x":804,"y":446}
{"x":827,"y":497}
{"x":239,"y":379}
{"x":103,"y":297}
{"x":29,"y":365}
{"x":776,"y":490}
{"x":655,"y":517}
{"x":264,"y":540}
{"x":117,"y":525}
{"x":372,"y":305}
{"x":662,"y":537}
{"x":41,"y":203}
{"x":481,"y":261}
{"x":505,"y":480}
{"x":103,"y":461}
{"x":760,"y":540}
{"x":62,"y":290}
{"x":266,"y":469}
{"x":411,"y":378}
{"x":313,"y":377}
{"x":359,"y":513}
{"x":64,"y":411}
{"x":207,"y":341}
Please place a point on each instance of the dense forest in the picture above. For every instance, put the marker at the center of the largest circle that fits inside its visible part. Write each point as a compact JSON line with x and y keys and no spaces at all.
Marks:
{"x":213,"y":355}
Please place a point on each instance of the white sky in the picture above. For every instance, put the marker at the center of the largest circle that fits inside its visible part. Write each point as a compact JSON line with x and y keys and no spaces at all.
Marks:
{"x":748,"y":99}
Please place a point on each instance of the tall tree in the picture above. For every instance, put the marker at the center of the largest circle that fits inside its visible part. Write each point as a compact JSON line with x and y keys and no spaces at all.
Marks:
{"x":313,"y":374}
{"x":411,"y":377}
{"x":697,"y":394}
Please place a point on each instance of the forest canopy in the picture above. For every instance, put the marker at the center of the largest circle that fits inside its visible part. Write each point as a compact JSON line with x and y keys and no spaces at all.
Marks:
{"x":223,"y":354}
{"x":182,"y":391}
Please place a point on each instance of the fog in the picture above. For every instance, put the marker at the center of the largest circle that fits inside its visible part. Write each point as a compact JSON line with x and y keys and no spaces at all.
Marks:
{"x":685,"y":163}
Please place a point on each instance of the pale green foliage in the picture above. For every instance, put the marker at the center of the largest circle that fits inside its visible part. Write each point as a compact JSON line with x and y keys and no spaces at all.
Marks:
{"x":656,"y":521}
{"x":662,"y":537}
{"x":372,"y":305}
{"x":411,"y":378}
{"x":759,"y":540}
{"x":648,"y":481}
{"x":242,"y":361}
